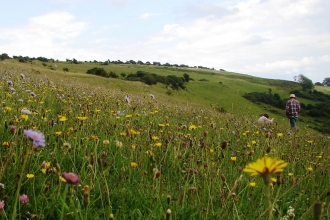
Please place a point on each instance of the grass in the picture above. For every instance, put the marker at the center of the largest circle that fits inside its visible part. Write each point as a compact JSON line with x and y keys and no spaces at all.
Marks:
{"x":140,"y":159}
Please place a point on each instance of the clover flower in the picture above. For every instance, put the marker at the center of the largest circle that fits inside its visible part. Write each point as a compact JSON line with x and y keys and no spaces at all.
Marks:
{"x":24,"y":199}
{"x":71,"y":177}
{"x":2,"y":204}
{"x":36,"y":136}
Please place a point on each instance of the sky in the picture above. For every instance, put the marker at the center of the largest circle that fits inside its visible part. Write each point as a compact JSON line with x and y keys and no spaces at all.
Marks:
{"x":274,"y":39}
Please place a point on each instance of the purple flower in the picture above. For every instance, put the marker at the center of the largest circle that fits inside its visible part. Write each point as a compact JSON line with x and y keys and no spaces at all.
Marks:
{"x":2,"y":204}
{"x":10,"y":83}
{"x":24,"y":199}
{"x":71,"y":177}
{"x":36,"y":136}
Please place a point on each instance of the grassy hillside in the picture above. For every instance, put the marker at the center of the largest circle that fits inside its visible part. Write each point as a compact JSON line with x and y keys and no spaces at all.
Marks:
{"x":219,"y":89}
{"x":72,"y":147}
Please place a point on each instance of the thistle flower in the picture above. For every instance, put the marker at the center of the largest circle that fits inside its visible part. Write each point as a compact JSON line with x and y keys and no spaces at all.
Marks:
{"x":36,"y":136}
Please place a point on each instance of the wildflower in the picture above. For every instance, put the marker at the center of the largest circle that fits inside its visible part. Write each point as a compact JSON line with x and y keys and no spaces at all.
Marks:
{"x":82,"y":118}
{"x":274,"y":180}
{"x":253,"y":184}
{"x":119,"y":144}
{"x":58,"y":133}
{"x":36,"y":136}
{"x":133,"y":147}
{"x":233,"y":159}
{"x":62,"y":119}
{"x":13,"y":129}
{"x":25,"y":117}
{"x":2,"y":185}
{"x":62,"y":179}
{"x":310,"y":169}
{"x":6,"y":144}
{"x":106,"y":142}
{"x":290,"y":174}
{"x":24,"y":199}
{"x":71,"y":177}
{"x":211,"y":151}
{"x":265,"y":167}
{"x":29,"y":175}
{"x":8,"y":109}
{"x":192,"y":127}
{"x":10,"y":83}
{"x":26,"y":111}
{"x":279,"y":134}
{"x":158,"y":144}
{"x":155,"y":138}
{"x":2,"y":204}
{"x":253,"y":142}
{"x":134,"y":165}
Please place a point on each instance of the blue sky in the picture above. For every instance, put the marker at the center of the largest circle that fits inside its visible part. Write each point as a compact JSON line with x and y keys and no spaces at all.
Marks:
{"x":276,"y":39}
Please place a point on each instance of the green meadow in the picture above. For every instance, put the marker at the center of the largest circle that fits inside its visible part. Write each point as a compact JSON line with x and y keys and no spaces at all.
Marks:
{"x":158,"y":154}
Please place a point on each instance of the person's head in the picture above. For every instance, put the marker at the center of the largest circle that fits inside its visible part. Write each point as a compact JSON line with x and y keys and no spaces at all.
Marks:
{"x":292,"y":96}
{"x":266,"y":115}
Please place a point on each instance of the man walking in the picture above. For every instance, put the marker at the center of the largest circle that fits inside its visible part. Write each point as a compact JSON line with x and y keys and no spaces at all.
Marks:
{"x":292,"y":111}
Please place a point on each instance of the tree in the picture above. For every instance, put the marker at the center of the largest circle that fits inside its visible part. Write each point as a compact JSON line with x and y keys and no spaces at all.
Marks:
{"x":326,"y":81}
{"x":186,"y":77}
{"x":305,"y":82}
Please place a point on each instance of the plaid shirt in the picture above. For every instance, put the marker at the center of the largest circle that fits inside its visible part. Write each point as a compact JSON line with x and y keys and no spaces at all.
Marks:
{"x":292,"y":108}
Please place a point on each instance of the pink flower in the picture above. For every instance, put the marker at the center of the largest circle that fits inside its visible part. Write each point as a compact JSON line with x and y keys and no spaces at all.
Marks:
{"x":24,"y":199}
{"x":36,"y":136}
{"x":2,"y":204}
{"x":13,"y":129}
{"x":71,"y":177}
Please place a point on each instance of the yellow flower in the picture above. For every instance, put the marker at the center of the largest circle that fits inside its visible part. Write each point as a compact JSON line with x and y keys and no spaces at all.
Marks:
{"x":154,"y":138}
{"x":158,"y":144}
{"x":134,"y":165}
{"x":274,"y":180}
{"x":265,"y":166}
{"x":133,"y":147}
{"x":29,"y":176}
{"x":319,"y":157}
{"x":161,"y":125}
{"x":62,"y":179}
{"x":253,"y":142}
{"x":279,"y":134}
{"x":8,"y":109}
{"x":58,"y":133}
{"x":5,"y":144}
{"x":310,"y":169}
{"x":233,"y":159}
{"x":25,"y":117}
{"x":290,"y":174}
{"x":192,"y":127}
{"x":82,"y":118}
{"x":211,"y":151}
{"x":106,"y":142}
{"x":253,"y":184}
{"x":62,"y":119}
{"x":119,"y":144}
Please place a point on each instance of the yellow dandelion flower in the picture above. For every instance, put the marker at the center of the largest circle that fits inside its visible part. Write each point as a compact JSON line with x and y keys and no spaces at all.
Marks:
{"x":279,"y":134}
{"x":310,"y":169}
{"x":133,"y":147}
{"x":106,"y":142}
{"x":123,"y":133}
{"x":58,"y":133}
{"x":233,"y":159}
{"x":82,"y":118}
{"x":253,"y":184}
{"x":158,"y":144}
{"x":192,"y":127}
{"x":265,"y":166}
{"x":253,"y":142}
{"x":290,"y":174}
{"x":8,"y":109}
{"x":149,"y":152}
{"x":29,"y":175}
{"x":134,"y":165}
{"x":5,"y":144}
{"x":161,"y":125}
{"x":274,"y":180}
{"x":25,"y":117}
{"x":62,"y":119}
{"x":211,"y":151}
{"x":155,"y":138}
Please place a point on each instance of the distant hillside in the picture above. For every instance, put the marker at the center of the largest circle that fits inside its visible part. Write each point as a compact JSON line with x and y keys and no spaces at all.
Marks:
{"x":218,"y":89}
